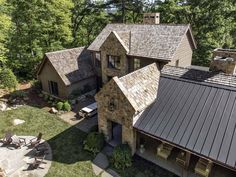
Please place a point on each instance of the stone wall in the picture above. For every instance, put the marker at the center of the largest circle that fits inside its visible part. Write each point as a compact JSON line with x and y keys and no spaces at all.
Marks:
{"x":112,"y":46}
{"x":122,"y":113}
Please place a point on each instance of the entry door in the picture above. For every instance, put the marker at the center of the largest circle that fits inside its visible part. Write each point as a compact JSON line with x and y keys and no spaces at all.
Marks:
{"x":53,"y":88}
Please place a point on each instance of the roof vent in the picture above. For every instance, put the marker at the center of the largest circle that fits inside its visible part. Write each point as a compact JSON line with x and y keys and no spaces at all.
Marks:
{"x":151,"y":18}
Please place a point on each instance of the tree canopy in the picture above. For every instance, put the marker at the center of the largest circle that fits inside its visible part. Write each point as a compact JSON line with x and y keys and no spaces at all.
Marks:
{"x":30,"y":28}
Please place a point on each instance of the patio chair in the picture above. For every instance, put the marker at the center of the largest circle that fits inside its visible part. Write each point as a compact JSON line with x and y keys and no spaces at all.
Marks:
{"x":181,"y":159}
{"x":164,"y":150}
{"x":203,"y":167}
{"x":37,"y":161}
{"x":17,"y":141}
{"x":36,"y":141}
{"x":7,"y":138}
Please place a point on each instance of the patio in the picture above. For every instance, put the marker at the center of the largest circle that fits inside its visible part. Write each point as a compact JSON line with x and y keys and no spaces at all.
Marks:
{"x":150,"y":154}
{"x":18,"y":162}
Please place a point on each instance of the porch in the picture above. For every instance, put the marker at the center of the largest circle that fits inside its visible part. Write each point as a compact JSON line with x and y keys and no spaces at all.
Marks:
{"x":150,"y":153}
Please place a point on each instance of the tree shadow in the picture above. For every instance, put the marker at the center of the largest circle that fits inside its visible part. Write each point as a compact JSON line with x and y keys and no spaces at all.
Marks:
{"x":67,"y":146}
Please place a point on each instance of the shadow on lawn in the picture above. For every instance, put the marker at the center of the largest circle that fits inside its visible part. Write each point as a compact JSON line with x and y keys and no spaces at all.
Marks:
{"x":67,"y":147}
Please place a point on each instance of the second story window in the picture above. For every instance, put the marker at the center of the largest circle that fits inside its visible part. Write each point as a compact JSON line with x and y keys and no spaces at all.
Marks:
{"x":113,"y":62}
{"x":137,"y":64}
{"x":97,"y":61}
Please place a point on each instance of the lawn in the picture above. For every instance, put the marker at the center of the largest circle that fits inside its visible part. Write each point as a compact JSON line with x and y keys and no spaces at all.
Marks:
{"x":69,"y":158}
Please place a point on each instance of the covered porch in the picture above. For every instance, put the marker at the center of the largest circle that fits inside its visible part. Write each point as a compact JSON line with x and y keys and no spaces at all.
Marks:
{"x":177,"y":161}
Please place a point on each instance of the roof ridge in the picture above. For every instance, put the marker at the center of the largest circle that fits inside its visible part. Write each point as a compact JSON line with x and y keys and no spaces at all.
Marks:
{"x":64,"y":50}
{"x":161,"y":24}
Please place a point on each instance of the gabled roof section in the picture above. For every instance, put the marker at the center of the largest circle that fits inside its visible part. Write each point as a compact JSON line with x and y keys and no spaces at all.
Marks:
{"x":140,"y":87}
{"x":123,"y":39}
{"x":72,"y":65}
{"x":150,"y":41}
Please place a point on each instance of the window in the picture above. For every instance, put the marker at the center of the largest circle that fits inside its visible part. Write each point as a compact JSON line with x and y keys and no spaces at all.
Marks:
{"x":113,"y":62}
{"x":177,"y":63}
{"x":97,"y":60}
{"x":137,"y":64}
{"x":53,"y":88}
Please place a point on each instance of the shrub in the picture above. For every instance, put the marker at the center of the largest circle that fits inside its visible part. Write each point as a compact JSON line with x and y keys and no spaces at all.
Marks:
{"x":59,"y":106}
{"x":18,"y":94}
{"x":66,"y":107}
{"x":8,"y":79}
{"x":45,"y":97}
{"x":122,"y":156}
{"x":94,"y":142}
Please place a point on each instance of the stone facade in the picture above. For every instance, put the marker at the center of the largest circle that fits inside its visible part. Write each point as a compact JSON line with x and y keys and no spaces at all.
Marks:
{"x":122,"y":99}
{"x":122,"y":113}
{"x":112,"y":46}
{"x":224,"y":60}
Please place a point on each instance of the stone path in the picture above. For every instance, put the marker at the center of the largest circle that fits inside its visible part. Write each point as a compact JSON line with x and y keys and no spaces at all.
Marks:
{"x":100,"y":164}
{"x":16,"y":162}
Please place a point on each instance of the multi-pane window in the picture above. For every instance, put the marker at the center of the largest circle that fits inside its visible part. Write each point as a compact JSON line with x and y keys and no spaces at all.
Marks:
{"x":137,"y":64}
{"x":97,"y":61}
{"x":53,"y":88}
{"x":113,"y":62}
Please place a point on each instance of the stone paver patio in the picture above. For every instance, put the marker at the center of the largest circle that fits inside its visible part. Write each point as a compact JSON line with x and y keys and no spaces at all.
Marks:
{"x":16,"y":162}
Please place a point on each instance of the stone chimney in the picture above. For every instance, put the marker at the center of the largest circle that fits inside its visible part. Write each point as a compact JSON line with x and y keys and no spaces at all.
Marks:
{"x":224,"y":60}
{"x":151,"y":18}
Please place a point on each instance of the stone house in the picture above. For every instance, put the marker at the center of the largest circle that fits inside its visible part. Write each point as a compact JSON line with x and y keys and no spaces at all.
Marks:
{"x":184,"y":119}
{"x":122,"y":48}
{"x":67,"y":72}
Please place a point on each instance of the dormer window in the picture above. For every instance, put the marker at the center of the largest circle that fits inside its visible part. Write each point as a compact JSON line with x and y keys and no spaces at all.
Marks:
{"x":113,"y":62}
{"x":137,"y":64}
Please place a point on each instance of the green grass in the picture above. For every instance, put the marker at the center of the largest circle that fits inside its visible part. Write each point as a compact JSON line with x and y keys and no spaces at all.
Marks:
{"x":69,"y":158}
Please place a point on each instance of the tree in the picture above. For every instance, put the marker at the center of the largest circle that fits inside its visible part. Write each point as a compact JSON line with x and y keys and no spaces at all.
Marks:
{"x":40,"y":26}
{"x":212,"y":22}
{"x":88,"y":19}
{"x":7,"y":79}
{"x":5,"y":26}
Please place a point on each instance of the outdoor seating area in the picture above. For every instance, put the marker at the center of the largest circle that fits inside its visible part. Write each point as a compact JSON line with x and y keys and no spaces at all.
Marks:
{"x":24,"y":155}
{"x":177,"y":161}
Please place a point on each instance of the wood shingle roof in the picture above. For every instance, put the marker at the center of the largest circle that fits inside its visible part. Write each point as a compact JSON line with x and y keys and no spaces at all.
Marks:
{"x":150,"y":41}
{"x":72,"y":65}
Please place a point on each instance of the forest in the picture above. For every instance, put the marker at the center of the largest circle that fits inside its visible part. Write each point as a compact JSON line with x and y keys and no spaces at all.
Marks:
{"x":30,"y":28}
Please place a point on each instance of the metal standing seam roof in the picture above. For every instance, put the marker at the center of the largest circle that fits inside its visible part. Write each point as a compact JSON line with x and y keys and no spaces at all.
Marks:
{"x":195,"y":116}
{"x":151,"y":41}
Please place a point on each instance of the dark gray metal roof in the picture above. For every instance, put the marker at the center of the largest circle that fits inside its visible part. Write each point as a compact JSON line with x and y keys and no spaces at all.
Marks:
{"x":195,"y":116}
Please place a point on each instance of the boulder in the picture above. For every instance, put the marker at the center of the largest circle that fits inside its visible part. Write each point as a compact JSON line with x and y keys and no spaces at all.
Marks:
{"x":53,"y":110}
{"x":3,"y":106}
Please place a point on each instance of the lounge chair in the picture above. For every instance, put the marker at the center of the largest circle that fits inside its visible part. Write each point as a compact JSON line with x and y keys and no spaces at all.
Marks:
{"x":164,"y":150}
{"x":17,"y":141}
{"x":203,"y":167}
{"x":36,"y":141}
{"x":7,"y":138}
